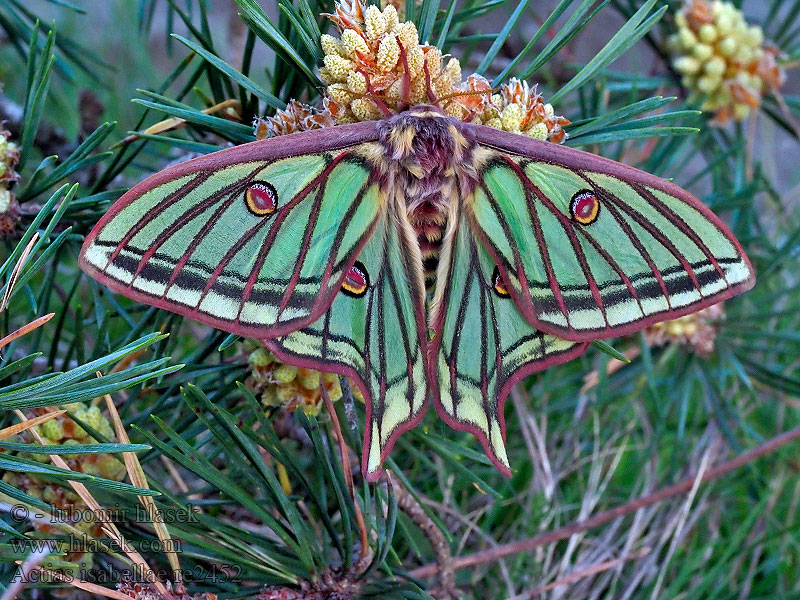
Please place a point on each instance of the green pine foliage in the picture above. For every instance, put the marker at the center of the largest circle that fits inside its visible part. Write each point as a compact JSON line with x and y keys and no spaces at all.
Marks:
{"x":258,"y":499}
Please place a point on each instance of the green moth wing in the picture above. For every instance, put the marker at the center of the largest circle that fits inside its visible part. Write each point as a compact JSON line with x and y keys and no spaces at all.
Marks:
{"x":255,"y":240}
{"x":591,"y":248}
{"x":305,"y":242}
{"x":374,"y":332}
{"x":482,"y":343}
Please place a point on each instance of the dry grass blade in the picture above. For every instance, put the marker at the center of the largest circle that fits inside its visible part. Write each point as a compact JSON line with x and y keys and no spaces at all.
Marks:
{"x":25,"y":329}
{"x":86,"y":586}
{"x":110,"y":528}
{"x":12,"y":279}
{"x":665,"y":493}
{"x":534,"y":439}
{"x":683,"y":516}
{"x":139,"y":479}
{"x":13,"y":430}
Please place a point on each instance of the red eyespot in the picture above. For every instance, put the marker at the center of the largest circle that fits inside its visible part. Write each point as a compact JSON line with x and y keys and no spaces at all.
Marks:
{"x":500,"y":287}
{"x":356,"y":281}
{"x":585,"y":207}
{"x":261,"y":198}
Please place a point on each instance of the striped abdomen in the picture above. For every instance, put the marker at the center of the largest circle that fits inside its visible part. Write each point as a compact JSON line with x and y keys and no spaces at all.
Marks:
{"x":429,"y":221}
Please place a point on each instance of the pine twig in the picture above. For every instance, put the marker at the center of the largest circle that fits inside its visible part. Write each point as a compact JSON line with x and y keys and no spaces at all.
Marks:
{"x":444,"y":558}
{"x":643,"y":501}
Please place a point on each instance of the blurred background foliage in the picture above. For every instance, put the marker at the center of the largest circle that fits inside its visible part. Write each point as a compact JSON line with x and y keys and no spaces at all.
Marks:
{"x":260,"y":502}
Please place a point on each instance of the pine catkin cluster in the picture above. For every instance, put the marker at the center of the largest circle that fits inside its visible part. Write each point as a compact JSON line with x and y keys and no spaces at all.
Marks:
{"x":520,"y":109}
{"x":295,"y":117}
{"x":723,"y":59}
{"x":9,"y":207}
{"x":289,"y":387}
{"x":377,"y":62}
{"x":377,"y":67}
{"x":64,"y":431}
{"x":696,"y":331}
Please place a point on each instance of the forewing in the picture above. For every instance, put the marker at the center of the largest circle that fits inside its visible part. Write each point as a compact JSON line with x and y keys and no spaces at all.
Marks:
{"x":482,"y":344}
{"x":254,"y":240}
{"x":377,"y":337}
{"x":594,"y":249}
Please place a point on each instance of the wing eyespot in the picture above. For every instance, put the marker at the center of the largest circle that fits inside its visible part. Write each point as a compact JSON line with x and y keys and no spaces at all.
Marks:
{"x":584,"y":207}
{"x":356,"y":281}
{"x":261,"y":198}
{"x":499,"y":284}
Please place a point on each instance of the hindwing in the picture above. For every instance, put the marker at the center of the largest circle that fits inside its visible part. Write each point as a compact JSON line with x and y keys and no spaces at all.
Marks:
{"x":374,"y":332}
{"x":482,"y":343}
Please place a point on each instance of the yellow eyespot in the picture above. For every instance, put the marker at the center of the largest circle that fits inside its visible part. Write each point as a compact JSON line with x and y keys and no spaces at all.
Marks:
{"x":356,"y":281}
{"x":585,"y":207}
{"x":261,"y":198}
{"x":500,"y":287}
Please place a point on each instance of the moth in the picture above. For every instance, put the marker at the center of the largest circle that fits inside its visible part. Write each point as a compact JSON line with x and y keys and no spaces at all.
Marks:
{"x":424,"y":257}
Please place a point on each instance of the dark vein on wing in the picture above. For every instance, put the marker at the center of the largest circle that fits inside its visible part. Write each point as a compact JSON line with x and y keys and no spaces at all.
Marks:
{"x":326,"y":326}
{"x":576,"y":246}
{"x":382,"y":354}
{"x":542,"y":251}
{"x":404,"y":334}
{"x":275,"y":225}
{"x":201,"y":236}
{"x":554,"y":285}
{"x":342,"y":231}
{"x":626,"y":228}
{"x":613,"y":264}
{"x":653,"y":230}
{"x":231,"y":191}
{"x":157,"y":210}
{"x":484,"y":381}
{"x":304,"y":248}
{"x":678,"y":221}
